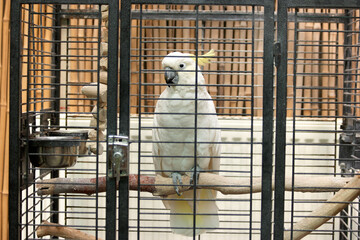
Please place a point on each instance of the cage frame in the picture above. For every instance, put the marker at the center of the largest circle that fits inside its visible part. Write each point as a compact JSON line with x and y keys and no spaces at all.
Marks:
{"x":125,"y":15}
{"x":281,"y":106}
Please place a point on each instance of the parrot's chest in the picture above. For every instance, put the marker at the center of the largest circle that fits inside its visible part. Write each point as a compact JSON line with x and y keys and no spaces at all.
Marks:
{"x":177,"y":132}
{"x":181,"y":102}
{"x":178,"y":110}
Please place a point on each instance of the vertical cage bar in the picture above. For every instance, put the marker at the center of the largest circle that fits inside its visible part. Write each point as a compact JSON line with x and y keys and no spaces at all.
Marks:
{"x":280,"y":142}
{"x":195,"y":120}
{"x":124,"y":123}
{"x":56,"y":103}
{"x":267,"y":135}
{"x":112,"y":112}
{"x":30,"y":78}
{"x":252,"y":117}
{"x":296,"y":26}
{"x":140,"y":113}
{"x":57,"y":64}
{"x":14,"y":131}
{"x":347,"y":107}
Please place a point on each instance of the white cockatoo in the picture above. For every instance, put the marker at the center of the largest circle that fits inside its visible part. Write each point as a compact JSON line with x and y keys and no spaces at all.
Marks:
{"x":174,"y":141}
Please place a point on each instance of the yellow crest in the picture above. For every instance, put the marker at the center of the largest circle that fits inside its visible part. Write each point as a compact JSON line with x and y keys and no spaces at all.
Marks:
{"x":204,"y":59}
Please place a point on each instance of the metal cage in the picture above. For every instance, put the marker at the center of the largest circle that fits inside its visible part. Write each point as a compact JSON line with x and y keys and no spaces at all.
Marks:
{"x":284,"y":84}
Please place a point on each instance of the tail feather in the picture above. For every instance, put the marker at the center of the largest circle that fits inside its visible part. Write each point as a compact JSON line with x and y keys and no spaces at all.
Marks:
{"x":182,"y":219}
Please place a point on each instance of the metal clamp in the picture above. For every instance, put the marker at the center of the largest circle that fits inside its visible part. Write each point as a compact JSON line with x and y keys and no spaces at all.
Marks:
{"x":118,"y":156}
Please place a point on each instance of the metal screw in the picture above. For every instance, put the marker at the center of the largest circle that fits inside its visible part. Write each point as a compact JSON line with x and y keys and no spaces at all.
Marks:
{"x":118,"y":155}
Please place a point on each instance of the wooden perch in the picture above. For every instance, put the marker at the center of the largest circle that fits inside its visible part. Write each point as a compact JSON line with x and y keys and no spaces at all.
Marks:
{"x":326,"y":210}
{"x":162,"y":186}
{"x":91,"y":91}
{"x":51,"y":229}
{"x":88,"y":185}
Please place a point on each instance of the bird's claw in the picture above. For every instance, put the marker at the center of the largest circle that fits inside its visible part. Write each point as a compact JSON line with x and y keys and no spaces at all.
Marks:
{"x":198,"y":170}
{"x":177,"y":180}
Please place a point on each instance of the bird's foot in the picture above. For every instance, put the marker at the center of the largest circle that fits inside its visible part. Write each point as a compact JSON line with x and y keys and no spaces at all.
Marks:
{"x":193,"y":174}
{"x":176,"y":177}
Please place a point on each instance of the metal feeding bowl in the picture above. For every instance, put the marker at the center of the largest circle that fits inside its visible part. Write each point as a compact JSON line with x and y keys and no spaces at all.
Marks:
{"x":82,"y":136}
{"x":54,"y":151}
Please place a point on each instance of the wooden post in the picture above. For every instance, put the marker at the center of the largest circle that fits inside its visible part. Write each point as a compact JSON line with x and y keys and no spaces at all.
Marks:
{"x":324,"y":68}
{"x":134,"y":65}
{"x":249,"y":59}
{"x":258,"y":68}
{"x":4,"y":116}
{"x":25,"y":59}
{"x":332,"y":67}
{"x":228,"y":46}
{"x":47,"y":58}
{"x":148,"y":64}
{"x":73,"y":90}
{"x":307,"y":78}
{"x":35,"y":59}
{"x":290,"y":69}
{"x":213,"y":33}
{"x":300,"y":67}
{"x":88,"y":59}
{"x":241,"y":53}
{"x":315,"y":68}
{"x":81,"y":60}
{"x":237,"y":91}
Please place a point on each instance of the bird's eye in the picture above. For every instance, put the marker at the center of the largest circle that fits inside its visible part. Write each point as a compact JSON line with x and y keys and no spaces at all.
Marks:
{"x":182,"y":65}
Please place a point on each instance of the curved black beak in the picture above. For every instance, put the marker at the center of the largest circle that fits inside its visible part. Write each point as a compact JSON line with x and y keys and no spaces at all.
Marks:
{"x":171,"y":76}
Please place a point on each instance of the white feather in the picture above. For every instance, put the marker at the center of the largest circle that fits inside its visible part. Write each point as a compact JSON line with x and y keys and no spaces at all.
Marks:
{"x":174,"y":137}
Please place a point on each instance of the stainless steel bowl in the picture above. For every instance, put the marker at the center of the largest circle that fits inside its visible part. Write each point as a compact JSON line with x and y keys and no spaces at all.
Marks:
{"x":53,"y":151}
{"x":82,"y":136}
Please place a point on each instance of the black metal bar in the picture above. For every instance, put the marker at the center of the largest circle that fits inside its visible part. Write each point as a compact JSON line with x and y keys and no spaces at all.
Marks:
{"x":190,"y":15}
{"x":234,"y":16}
{"x":56,"y":62}
{"x":112,"y":99}
{"x":124,"y":123}
{"x":30,"y":65}
{"x":123,"y":208}
{"x":64,"y":1}
{"x":14,"y":131}
{"x":252,"y":113}
{"x":347,"y":111}
{"x":280,"y":142}
{"x":293,"y":126}
{"x":267,"y":135}
{"x":55,"y":202}
{"x":323,"y":4}
{"x":56,"y":103}
{"x":140,"y":113}
{"x":358,"y":219}
{"x":201,"y":2}
{"x":125,"y":39}
{"x":196,"y":122}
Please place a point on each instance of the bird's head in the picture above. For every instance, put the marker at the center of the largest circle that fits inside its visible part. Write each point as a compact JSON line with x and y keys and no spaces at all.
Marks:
{"x":180,"y":68}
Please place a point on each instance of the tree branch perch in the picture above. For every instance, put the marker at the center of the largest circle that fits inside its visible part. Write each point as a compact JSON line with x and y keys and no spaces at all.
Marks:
{"x":52,"y":229}
{"x":325,"y":211}
{"x":347,"y":190}
{"x":162,"y":186}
